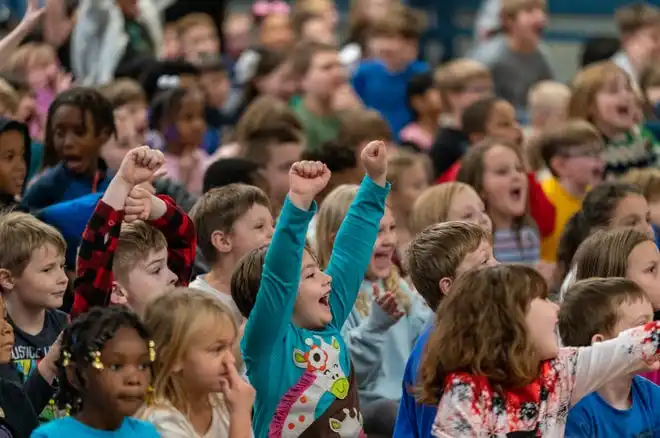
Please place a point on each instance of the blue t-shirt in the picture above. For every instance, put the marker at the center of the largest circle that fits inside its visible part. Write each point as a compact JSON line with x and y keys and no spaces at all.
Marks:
{"x":594,"y":417}
{"x":414,"y":420}
{"x":386,"y":91}
{"x":70,"y":427}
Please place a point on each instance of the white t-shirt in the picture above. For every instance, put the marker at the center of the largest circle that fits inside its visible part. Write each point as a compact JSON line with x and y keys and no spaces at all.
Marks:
{"x":171,"y":423}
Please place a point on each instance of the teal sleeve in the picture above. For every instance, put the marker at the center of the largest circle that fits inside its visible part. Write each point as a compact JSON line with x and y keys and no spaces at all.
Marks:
{"x":365,"y":339}
{"x":353,"y":246}
{"x":273,"y":307}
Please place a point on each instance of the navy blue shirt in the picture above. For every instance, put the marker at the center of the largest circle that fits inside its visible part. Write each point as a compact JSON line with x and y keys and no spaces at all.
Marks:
{"x":594,"y":417}
{"x":414,"y":420}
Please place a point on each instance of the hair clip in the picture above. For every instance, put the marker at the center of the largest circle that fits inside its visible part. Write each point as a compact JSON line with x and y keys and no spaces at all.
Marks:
{"x":152,"y":351}
{"x":66,"y":358}
{"x":96,"y":360}
{"x":149,"y":397}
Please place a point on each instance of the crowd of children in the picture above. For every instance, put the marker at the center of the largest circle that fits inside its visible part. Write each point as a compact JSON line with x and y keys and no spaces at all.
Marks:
{"x":243,"y":227}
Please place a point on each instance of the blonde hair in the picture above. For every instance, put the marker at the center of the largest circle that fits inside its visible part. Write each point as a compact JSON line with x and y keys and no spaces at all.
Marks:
{"x":647,"y":179}
{"x":21,"y":235}
{"x":436,"y":253}
{"x":331,"y":214}
{"x":9,"y":98}
{"x":29,"y":54}
{"x":136,"y":241}
{"x":587,"y":83}
{"x":547,"y":96}
{"x":175,"y":321}
{"x":605,"y":253}
{"x":433,"y":205}
{"x":455,"y":76}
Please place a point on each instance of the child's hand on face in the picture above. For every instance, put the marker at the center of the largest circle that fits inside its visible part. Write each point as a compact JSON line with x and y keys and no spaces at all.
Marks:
{"x":388,"y":303}
{"x":374,"y":160}
{"x":306,"y":180}
{"x":139,"y":165}
{"x":239,"y":394}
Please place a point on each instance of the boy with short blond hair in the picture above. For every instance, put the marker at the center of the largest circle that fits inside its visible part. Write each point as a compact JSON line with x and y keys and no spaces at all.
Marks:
{"x":628,"y":405}
{"x":382,"y":82}
{"x":639,"y":30}
{"x":136,"y":246}
{"x":33,"y":283}
{"x":461,"y":83}
{"x":435,"y":257}
{"x":230,"y":221}
{"x":198,"y":37}
{"x":547,"y":103}
{"x":515,"y":59}
{"x":573,"y":153}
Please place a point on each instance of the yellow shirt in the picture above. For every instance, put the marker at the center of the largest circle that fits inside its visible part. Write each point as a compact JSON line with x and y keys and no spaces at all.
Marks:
{"x":566,"y":205}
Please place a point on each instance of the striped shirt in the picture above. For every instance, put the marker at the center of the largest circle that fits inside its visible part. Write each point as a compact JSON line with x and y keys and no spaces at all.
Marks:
{"x":510,"y":246}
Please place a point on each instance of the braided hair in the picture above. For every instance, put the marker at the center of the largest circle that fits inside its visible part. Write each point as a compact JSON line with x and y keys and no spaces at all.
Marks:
{"x":87,"y":334}
{"x":87,"y":100}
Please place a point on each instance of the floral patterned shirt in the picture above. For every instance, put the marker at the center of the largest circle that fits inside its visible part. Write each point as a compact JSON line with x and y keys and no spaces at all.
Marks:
{"x":470,"y":407}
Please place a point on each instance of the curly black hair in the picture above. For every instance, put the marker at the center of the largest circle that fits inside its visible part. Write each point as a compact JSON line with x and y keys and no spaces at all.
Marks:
{"x":86,"y":334}
{"x":87,"y":100}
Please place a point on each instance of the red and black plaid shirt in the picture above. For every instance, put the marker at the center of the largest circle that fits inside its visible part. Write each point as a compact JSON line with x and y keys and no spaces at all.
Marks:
{"x":93,"y":283}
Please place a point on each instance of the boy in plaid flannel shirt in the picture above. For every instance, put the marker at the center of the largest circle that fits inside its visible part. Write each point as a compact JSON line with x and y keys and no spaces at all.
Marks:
{"x":150,"y":253}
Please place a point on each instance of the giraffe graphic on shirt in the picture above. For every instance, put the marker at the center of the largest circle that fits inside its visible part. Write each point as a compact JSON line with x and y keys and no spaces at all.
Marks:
{"x":323,"y":374}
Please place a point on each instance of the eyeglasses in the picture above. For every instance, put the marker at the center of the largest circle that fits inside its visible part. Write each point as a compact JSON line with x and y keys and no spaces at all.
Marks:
{"x":586,"y":153}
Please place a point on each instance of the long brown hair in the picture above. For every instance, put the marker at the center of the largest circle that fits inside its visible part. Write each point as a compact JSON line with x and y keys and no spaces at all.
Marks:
{"x":480,"y":329}
{"x":472,"y":173}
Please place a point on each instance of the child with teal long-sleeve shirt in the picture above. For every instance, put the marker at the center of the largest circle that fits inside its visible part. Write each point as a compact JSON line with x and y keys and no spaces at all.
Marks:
{"x":292,"y":346}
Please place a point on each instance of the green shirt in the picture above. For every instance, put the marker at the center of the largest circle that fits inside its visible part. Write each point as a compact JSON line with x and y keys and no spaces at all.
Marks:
{"x":318,"y":129}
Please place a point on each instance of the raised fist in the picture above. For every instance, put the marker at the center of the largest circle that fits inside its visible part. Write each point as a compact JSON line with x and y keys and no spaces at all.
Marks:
{"x":139,"y":165}
{"x":374,"y":160}
{"x":306,"y":180}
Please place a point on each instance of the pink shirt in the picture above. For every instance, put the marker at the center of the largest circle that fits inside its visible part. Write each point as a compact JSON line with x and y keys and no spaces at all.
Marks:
{"x":413,"y":133}
{"x":195,"y":180}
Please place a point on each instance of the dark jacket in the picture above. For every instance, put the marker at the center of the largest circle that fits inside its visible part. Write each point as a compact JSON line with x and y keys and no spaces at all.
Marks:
{"x":18,"y":414}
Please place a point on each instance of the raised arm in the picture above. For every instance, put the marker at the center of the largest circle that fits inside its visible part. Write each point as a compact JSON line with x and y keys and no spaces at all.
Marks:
{"x":179,"y":231}
{"x":273,"y":307}
{"x":591,"y":367}
{"x":32,"y":16}
{"x":93,"y":284}
{"x":357,"y":235}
